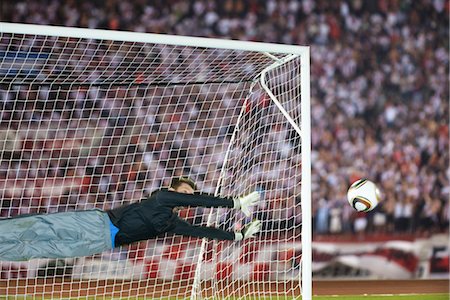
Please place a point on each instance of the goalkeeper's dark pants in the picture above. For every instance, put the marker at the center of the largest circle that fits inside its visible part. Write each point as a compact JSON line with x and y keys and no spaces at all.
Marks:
{"x":58,"y":235}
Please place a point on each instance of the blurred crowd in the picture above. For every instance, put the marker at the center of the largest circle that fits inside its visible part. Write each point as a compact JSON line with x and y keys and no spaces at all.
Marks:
{"x":380,"y":110}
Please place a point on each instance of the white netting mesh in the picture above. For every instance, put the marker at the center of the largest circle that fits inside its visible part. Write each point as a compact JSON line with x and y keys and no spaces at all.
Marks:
{"x":96,"y":124}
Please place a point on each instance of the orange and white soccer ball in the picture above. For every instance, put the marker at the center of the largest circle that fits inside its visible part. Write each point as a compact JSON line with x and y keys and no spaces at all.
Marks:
{"x":363,"y":195}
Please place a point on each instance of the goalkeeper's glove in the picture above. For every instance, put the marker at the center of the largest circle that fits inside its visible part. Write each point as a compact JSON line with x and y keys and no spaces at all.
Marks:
{"x":244,"y":202}
{"x":248,"y":231}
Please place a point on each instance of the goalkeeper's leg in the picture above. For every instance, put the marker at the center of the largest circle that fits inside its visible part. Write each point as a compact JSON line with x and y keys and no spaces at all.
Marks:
{"x":59,"y":235}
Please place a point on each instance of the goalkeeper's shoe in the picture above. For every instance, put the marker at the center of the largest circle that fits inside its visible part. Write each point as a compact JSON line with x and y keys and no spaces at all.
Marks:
{"x":248,"y":231}
{"x":245,"y":202}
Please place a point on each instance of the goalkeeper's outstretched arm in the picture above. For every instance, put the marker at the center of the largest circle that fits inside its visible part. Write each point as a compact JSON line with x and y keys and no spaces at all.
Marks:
{"x":182,"y":193}
{"x":184,"y":228}
{"x":173,"y":199}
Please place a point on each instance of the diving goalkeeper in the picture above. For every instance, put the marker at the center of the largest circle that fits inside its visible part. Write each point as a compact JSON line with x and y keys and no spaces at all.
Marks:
{"x":82,"y":233}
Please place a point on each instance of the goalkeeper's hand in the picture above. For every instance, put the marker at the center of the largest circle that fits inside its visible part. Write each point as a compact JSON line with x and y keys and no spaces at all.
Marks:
{"x":244,"y":202}
{"x":248,"y":231}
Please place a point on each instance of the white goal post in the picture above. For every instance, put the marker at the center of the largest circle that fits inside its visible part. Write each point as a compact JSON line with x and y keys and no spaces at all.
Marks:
{"x":98,"y":118}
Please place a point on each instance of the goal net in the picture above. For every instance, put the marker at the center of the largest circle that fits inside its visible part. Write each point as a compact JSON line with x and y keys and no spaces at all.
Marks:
{"x":99,"y":119}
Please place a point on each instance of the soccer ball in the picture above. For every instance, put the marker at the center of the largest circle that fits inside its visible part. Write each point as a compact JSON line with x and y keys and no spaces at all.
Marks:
{"x":363,"y":195}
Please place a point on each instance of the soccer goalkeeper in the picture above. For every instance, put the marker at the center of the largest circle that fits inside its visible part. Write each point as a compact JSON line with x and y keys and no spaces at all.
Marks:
{"x":82,"y":233}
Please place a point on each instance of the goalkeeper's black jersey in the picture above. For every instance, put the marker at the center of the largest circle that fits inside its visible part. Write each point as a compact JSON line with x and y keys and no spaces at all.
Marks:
{"x":154,"y":216}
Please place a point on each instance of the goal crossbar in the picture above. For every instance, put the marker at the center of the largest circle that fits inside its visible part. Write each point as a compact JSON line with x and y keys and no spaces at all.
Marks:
{"x":168,"y":39}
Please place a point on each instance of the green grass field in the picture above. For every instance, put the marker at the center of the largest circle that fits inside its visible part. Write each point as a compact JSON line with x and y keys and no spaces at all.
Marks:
{"x":387,"y":297}
{"x":366,"y":297}
{"x":375,"y":297}
{"x":370,"y":297}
